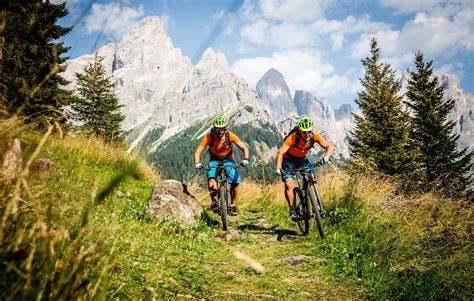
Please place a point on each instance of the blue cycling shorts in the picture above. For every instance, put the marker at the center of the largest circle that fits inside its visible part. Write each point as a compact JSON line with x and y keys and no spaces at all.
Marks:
{"x":290,"y":163}
{"x":233,"y":174}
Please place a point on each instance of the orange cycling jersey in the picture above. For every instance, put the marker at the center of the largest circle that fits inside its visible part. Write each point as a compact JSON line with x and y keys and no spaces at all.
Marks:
{"x":301,"y":148}
{"x":221,"y":148}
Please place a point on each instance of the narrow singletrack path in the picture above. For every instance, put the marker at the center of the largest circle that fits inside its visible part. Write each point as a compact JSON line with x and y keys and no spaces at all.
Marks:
{"x":292,"y":269}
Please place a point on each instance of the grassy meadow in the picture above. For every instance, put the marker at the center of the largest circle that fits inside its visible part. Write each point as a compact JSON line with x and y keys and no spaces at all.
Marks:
{"x":70,"y":233}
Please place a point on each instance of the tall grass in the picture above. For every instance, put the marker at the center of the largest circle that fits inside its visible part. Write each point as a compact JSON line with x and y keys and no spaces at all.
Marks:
{"x":398,"y":246}
{"x":43,"y":253}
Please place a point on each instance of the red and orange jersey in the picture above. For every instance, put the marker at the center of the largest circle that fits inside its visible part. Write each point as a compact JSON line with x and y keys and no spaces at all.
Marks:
{"x":221,"y":147}
{"x":301,"y":148}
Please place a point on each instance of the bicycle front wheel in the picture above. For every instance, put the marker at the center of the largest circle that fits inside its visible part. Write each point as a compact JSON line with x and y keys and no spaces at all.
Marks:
{"x":300,"y":205}
{"x":313,"y":196}
{"x":223,"y":202}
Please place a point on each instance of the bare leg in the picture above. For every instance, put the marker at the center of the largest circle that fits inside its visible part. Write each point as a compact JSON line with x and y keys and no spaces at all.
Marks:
{"x":212,"y":186}
{"x":234,"y":189}
{"x":289,"y":186}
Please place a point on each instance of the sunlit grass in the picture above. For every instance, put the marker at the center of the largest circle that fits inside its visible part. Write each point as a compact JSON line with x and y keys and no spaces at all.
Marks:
{"x":379,"y":244}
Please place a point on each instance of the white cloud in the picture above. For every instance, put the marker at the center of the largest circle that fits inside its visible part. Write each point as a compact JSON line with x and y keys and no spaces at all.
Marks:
{"x":112,"y":18}
{"x":350,"y":25}
{"x":336,"y":41}
{"x":302,"y":69}
{"x":434,"y":35}
{"x":451,"y":70}
{"x":387,"y":41}
{"x":408,"y":6}
{"x":296,"y":34}
{"x":293,"y":10}
{"x":256,"y":32}
{"x":288,"y":35}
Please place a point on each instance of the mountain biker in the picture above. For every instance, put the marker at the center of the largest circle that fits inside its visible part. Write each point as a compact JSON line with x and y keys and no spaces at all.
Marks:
{"x":220,"y":141}
{"x":292,"y":154}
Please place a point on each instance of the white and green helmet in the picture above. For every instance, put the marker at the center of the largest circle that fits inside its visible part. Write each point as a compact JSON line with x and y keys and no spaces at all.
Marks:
{"x":305,"y":124}
{"x":219,"y":122}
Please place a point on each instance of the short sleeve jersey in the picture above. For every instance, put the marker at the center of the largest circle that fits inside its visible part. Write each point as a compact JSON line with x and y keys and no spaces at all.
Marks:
{"x":302,"y":148}
{"x":221,"y":148}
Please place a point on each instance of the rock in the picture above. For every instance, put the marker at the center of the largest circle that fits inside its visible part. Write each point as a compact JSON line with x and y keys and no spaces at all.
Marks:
{"x":12,"y":160}
{"x":233,"y":235}
{"x":169,"y":201}
{"x":295,"y":260}
{"x":43,"y":166}
{"x":119,"y":194}
{"x":263,"y":223}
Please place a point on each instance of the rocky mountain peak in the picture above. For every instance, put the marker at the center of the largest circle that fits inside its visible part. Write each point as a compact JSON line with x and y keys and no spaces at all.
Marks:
{"x":275,"y":94}
{"x":344,"y":111}
{"x":463,"y":111}
{"x":273,"y":75}
{"x":211,"y":59}
{"x":145,"y":67}
{"x":274,"y":79}
{"x":146,"y":27}
{"x":307,"y":104}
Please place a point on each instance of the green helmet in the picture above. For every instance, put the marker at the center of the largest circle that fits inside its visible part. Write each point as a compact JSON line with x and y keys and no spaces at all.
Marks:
{"x":219,"y":122}
{"x":305,"y":124}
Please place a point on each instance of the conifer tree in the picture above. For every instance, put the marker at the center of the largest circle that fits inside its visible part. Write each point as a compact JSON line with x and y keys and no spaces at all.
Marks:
{"x":442,"y":164}
{"x":380,"y":135}
{"x":96,"y":106}
{"x":31,"y":59}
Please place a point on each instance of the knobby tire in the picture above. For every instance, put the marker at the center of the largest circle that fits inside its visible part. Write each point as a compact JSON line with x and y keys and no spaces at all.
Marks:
{"x":313,"y":196}
{"x":223,"y":202}
{"x":301,"y":208}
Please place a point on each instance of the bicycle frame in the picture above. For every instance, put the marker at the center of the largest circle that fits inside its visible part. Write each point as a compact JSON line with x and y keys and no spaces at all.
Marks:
{"x":221,"y":175}
{"x":304,"y":177}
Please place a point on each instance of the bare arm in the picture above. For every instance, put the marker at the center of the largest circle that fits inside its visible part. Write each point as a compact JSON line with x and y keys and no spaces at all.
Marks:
{"x":197,"y":153}
{"x":279,"y":157}
{"x":244,"y":148}
{"x":328,"y":148}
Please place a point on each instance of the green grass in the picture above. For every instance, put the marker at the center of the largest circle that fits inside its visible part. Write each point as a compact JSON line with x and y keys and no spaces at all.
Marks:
{"x":421,"y":251}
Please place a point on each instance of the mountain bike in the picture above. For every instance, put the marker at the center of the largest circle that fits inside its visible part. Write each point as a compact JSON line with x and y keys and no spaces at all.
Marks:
{"x":307,"y":199}
{"x":223,"y":189}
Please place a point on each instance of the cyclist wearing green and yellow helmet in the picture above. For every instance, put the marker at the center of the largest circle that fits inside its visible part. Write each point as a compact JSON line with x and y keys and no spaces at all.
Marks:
{"x":292,"y":154}
{"x":220,"y":141}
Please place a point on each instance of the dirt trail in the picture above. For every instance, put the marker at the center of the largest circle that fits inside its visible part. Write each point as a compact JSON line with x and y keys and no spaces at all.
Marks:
{"x":290,"y":269}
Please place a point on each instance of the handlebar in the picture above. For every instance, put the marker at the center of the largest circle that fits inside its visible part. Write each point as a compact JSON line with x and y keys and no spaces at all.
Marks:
{"x":304,"y":168}
{"x":222,"y":166}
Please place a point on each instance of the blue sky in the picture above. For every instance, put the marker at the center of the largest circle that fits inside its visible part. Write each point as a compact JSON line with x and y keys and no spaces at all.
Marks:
{"x":316,"y":44}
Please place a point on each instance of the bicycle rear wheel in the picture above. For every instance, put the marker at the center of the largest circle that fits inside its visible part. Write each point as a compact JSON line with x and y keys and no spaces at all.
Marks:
{"x":300,"y":206}
{"x":223,"y":202}
{"x":313,"y":196}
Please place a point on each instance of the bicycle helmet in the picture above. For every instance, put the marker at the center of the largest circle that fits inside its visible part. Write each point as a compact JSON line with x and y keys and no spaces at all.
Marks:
{"x":305,"y":124}
{"x":219,"y":122}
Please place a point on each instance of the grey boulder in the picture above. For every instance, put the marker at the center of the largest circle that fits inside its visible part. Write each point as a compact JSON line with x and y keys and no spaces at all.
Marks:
{"x":171,"y":201}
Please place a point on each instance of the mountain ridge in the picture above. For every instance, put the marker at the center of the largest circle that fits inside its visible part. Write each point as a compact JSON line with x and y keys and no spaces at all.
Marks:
{"x":164,"y":94}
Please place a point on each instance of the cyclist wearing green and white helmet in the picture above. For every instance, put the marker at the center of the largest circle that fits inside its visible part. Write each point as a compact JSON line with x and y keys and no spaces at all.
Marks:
{"x":292,"y":154}
{"x":220,"y":141}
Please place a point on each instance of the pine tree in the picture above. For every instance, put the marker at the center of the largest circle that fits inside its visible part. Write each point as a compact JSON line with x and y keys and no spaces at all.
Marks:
{"x":380,"y":136}
{"x":96,"y":106}
{"x":30,"y":84}
{"x":442,"y":164}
